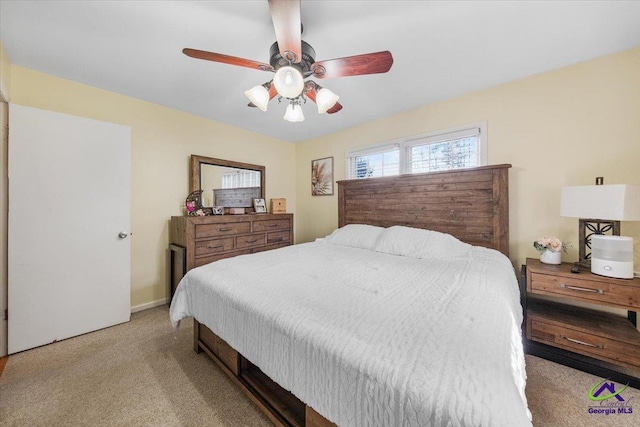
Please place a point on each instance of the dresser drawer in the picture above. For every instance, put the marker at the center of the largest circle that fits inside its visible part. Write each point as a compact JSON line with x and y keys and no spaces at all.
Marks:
{"x":207,"y":247}
{"x":277,"y":237}
{"x":271,"y":225}
{"x":256,"y":239}
{"x":222,"y":229}
{"x":600,"y":292}
{"x":199,"y":261}
{"x":270,"y":247}
{"x":584,"y":342}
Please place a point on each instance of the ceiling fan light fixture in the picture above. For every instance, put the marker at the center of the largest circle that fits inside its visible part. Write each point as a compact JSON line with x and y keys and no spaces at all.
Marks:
{"x":259,"y":95}
{"x":325,"y":99}
{"x":293,"y":113}
{"x":289,"y":82}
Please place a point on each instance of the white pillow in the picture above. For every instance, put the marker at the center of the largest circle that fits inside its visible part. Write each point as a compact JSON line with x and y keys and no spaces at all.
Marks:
{"x":355,"y":235}
{"x":419,"y":243}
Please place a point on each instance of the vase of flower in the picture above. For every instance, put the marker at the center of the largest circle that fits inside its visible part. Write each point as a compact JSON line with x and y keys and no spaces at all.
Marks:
{"x":551,"y":249}
{"x":550,"y":257}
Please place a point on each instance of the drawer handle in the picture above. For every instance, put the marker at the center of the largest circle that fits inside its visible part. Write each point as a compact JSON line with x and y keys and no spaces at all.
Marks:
{"x":578,"y":288}
{"x":273,"y":225}
{"x":225,"y":229}
{"x":251,"y":241}
{"x":214,"y":247}
{"x":278,"y":239}
{"x":588,"y":344}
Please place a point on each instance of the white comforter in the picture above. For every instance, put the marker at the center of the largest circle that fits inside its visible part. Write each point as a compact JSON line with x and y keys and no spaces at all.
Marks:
{"x":372,"y":339}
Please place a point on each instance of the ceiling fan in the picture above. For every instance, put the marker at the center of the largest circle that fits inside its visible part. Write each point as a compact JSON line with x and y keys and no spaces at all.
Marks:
{"x":293,"y":60}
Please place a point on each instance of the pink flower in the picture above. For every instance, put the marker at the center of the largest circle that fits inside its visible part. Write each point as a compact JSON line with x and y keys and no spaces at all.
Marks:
{"x":551,"y":243}
{"x":555,"y":245}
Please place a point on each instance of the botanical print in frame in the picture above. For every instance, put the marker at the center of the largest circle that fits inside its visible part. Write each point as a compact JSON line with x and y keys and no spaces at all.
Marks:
{"x":322,"y":177}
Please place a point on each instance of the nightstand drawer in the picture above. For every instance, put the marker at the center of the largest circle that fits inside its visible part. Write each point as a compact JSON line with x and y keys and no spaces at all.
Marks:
{"x":588,"y":344}
{"x":602,"y":291}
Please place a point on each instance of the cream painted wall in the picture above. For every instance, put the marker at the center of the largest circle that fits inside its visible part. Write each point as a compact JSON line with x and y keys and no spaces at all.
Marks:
{"x":563,"y":127}
{"x":5,"y":74}
{"x":162,"y":140}
{"x":559,"y":128}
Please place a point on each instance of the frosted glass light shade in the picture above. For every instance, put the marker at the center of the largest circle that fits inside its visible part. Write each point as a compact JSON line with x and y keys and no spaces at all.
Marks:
{"x":288,"y":82}
{"x":259,"y":95}
{"x":325,"y":99}
{"x":618,"y":202}
{"x":293,"y":113}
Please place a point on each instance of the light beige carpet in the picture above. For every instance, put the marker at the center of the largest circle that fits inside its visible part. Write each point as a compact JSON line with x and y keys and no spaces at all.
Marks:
{"x":144,"y":373}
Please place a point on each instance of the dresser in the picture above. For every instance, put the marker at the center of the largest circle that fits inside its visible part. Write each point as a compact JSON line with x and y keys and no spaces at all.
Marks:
{"x":601,"y":343}
{"x":199,"y":240}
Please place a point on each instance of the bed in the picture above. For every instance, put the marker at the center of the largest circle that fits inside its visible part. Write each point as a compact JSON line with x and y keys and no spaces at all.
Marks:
{"x":389,"y":320}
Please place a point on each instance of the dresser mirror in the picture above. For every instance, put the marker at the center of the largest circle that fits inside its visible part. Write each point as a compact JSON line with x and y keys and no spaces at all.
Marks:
{"x":208,"y":174}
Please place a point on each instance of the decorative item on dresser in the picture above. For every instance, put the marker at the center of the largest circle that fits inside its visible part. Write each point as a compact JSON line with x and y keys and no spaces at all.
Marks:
{"x":196,"y":241}
{"x":598,"y":342}
{"x":278,"y":205}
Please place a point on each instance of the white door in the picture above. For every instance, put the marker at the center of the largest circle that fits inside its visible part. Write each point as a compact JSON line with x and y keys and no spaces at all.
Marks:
{"x":69,"y":196}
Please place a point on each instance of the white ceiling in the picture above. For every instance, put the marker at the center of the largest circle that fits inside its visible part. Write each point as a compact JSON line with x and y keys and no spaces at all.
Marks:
{"x":441,"y":49}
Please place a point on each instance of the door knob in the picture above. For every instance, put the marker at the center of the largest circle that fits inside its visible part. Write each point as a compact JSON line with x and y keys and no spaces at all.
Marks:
{"x":123,"y":235}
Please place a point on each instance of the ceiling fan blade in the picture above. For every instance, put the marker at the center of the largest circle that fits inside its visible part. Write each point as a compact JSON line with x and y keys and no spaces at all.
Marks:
{"x":368,"y":63}
{"x":310,"y":92}
{"x":272,"y":94}
{"x":226,"y":59}
{"x":285,"y":15}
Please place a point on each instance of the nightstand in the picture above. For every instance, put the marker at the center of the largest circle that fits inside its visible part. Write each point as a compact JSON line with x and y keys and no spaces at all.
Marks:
{"x":601,"y":343}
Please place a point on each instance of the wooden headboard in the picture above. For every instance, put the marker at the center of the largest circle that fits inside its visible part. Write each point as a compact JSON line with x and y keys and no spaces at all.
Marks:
{"x":470,"y":204}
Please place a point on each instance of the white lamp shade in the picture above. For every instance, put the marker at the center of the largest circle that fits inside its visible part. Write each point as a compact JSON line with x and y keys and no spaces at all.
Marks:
{"x":288,"y":82}
{"x":619,"y":202}
{"x":294,"y":113}
{"x":325,"y":100}
{"x":259,"y":95}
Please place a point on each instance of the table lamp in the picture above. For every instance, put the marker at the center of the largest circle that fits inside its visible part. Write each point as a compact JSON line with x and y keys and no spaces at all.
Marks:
{"x":600,"y":208}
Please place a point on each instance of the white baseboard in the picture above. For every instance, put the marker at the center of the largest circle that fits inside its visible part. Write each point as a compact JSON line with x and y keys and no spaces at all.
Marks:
{"x":148,"y":305}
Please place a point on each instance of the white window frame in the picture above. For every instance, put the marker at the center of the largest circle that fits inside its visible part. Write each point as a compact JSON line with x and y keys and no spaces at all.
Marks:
{"x":405,"y":144}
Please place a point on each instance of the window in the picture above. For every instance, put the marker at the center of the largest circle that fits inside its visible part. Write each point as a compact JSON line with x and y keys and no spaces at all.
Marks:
{"x":375,"y":162}
{"x":240,"y":179}
{"x":450,"y":149}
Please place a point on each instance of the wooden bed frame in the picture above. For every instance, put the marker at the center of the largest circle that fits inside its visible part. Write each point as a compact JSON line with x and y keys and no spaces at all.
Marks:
{"x":470,"y":204}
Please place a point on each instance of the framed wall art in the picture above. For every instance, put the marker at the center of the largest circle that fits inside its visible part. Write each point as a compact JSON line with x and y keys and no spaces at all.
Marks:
{"x":322,"y":177}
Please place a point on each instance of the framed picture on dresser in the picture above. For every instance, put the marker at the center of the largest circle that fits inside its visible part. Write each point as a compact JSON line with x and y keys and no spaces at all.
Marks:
{"x":259,"y":206}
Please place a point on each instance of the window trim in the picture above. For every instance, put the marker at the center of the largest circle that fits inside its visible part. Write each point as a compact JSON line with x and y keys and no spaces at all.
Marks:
{"x":404,"y":145}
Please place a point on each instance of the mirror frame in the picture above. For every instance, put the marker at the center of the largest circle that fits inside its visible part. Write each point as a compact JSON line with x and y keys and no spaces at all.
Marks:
{"x":198,"y":161}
